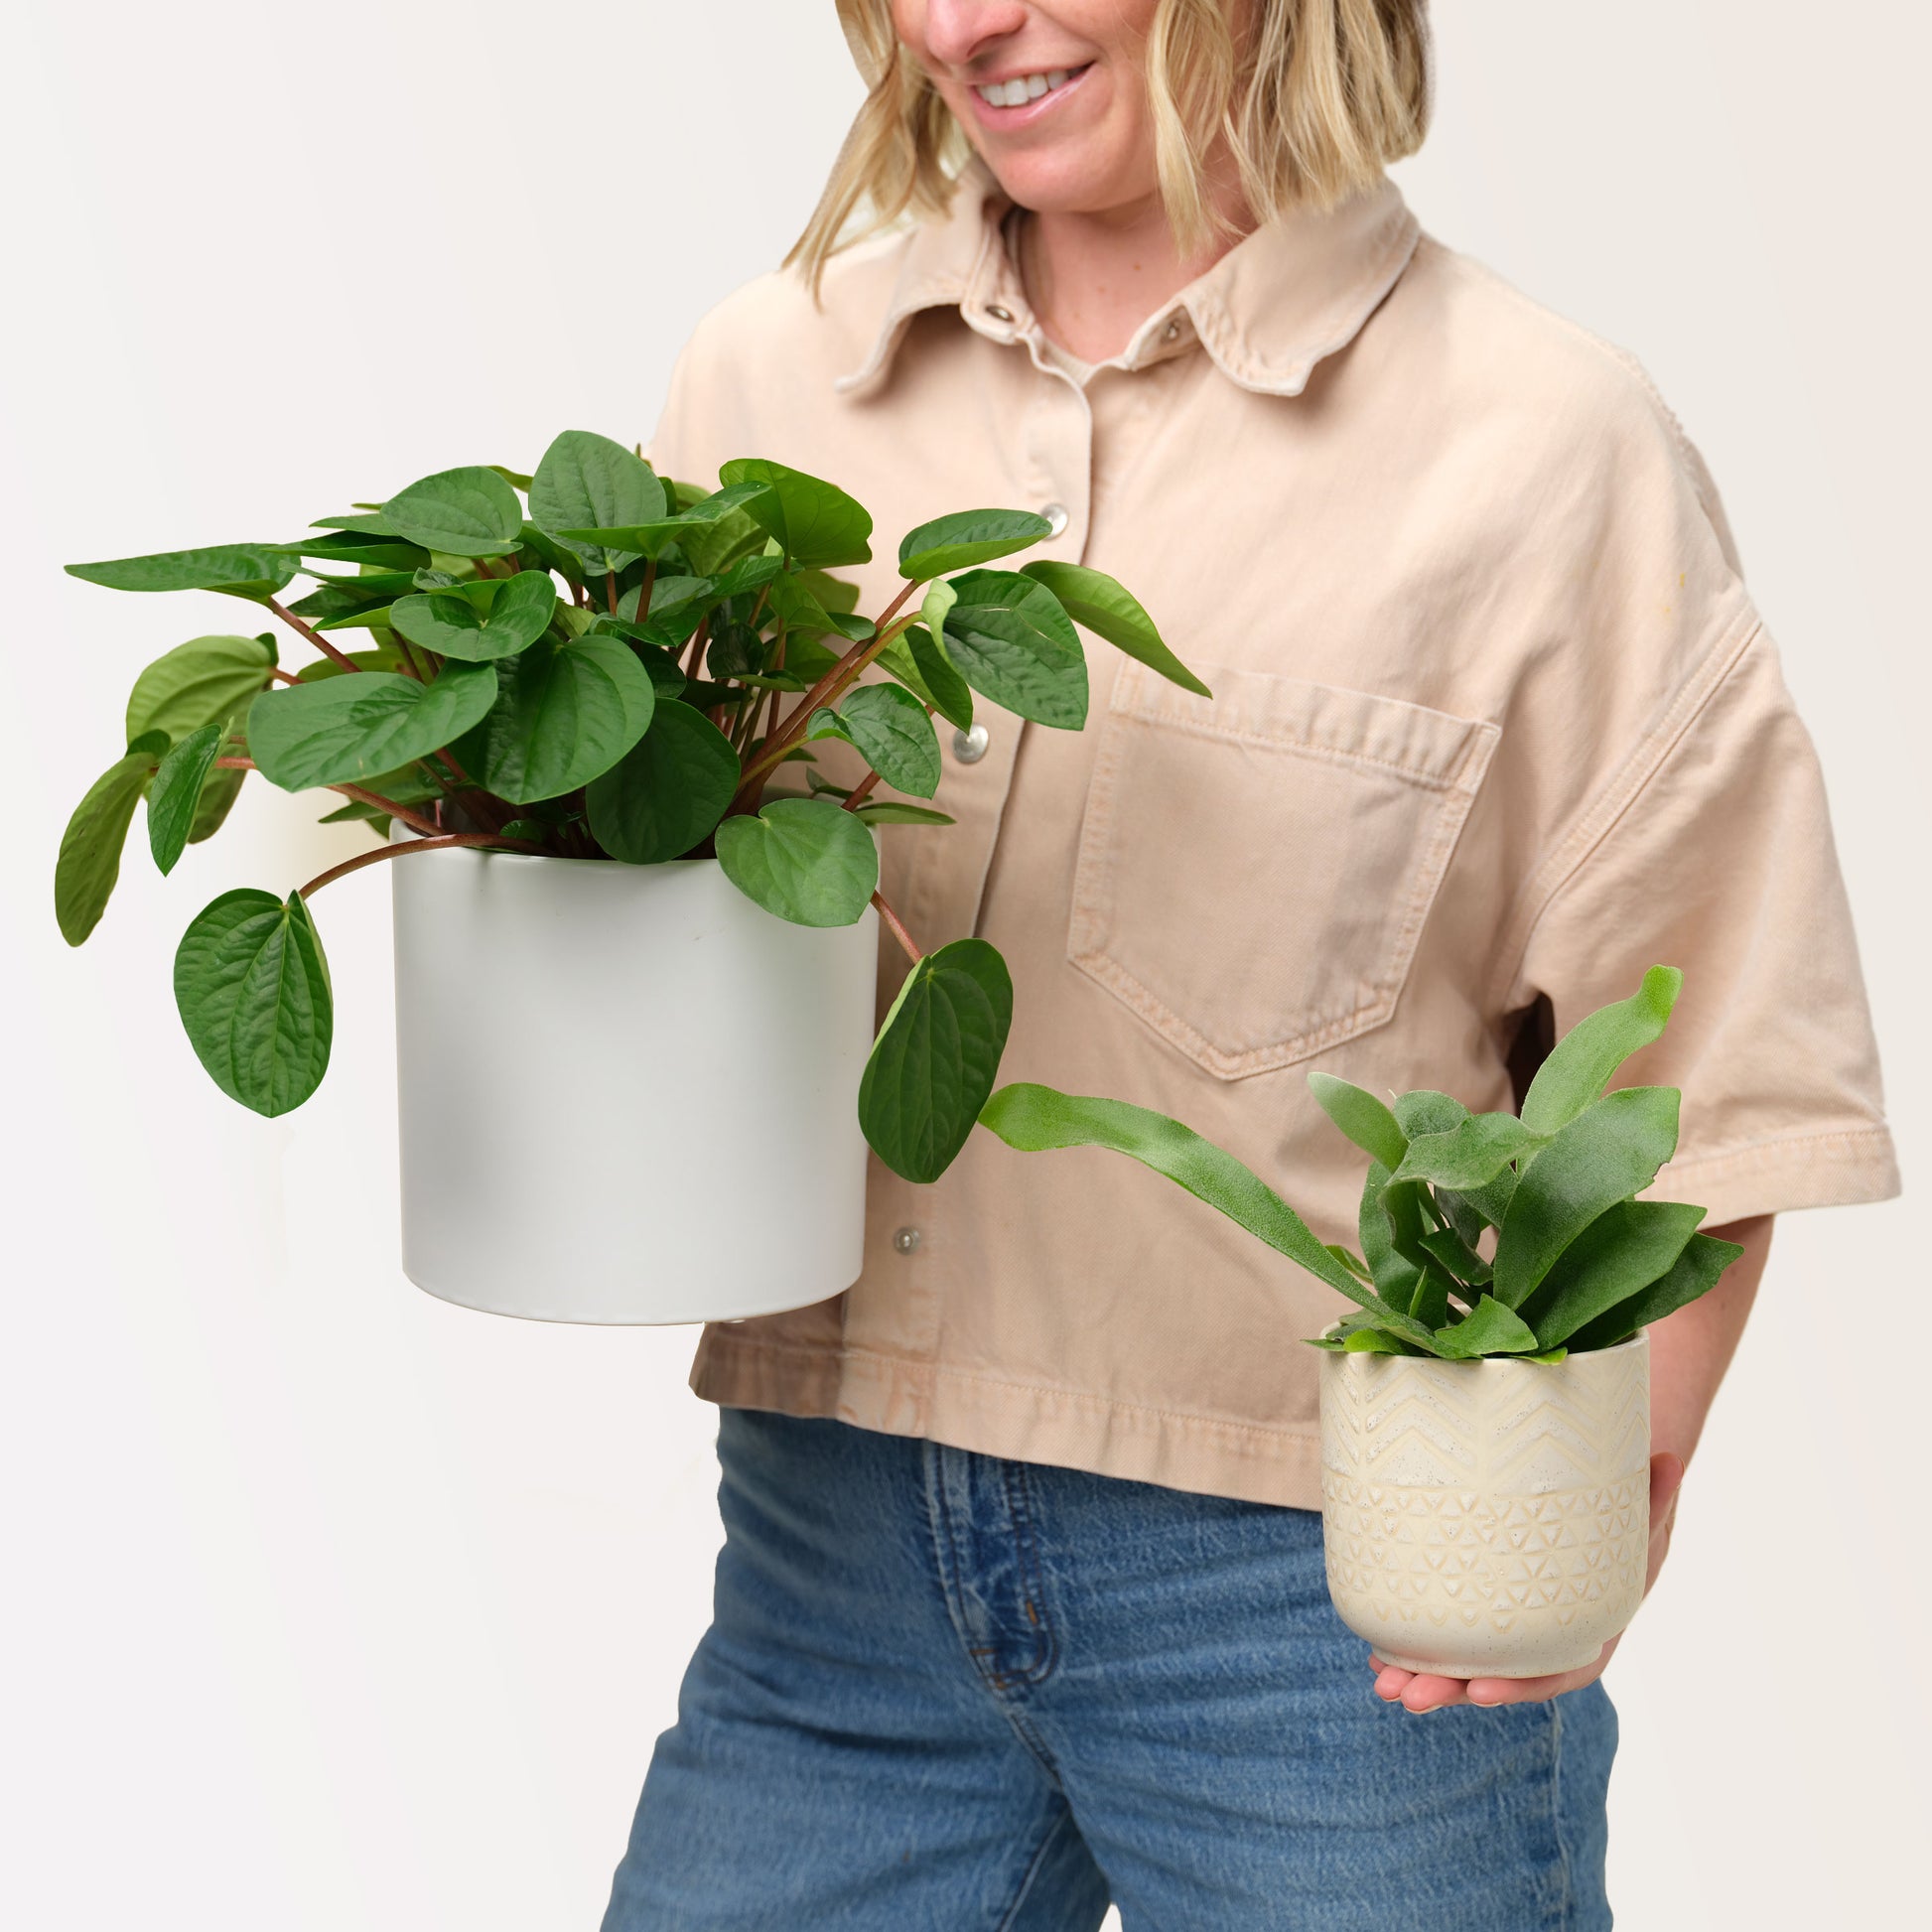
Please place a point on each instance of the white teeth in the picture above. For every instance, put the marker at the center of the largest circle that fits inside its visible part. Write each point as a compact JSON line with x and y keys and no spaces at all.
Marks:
{"x":1024,"y":88}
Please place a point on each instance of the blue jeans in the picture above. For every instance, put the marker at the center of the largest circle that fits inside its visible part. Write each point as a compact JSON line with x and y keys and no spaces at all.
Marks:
{"x":945,"y":1691}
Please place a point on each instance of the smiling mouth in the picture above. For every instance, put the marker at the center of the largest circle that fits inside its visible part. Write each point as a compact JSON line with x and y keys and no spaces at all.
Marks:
{"x":1025,"y":89}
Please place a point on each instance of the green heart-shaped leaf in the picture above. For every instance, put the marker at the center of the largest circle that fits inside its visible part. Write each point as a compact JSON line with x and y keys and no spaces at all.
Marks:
{"x":1110,"y":611}
{"x":968,"y":537}
{"x":564,"y":714}
{"x":1013,"y":643}
{"x":255,"y":571}
{"x":805,"y":860}
{"x":90,"y":848}
{"x":895,"y":736}
{"x":200,"y":683}
{"x":588,"y":481}
{"x":175,"y":796}
{"x":935,"y":1060}
{"x":667,"y":793}
{"x":345,"y":730}
{"x":253,"y":987}
{"x":481,"y":623}
{"x":470,"y":512}
{"x":815,"y":522}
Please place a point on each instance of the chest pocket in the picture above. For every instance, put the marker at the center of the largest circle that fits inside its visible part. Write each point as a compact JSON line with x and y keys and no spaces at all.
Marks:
{"x":1255,"y":868}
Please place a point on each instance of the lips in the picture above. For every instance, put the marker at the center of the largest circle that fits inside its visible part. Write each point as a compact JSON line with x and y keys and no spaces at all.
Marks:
{"x":1022,"y":97}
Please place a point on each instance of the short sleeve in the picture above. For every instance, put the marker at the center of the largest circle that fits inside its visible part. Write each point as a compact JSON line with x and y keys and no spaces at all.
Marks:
{"x":1722,"y":863}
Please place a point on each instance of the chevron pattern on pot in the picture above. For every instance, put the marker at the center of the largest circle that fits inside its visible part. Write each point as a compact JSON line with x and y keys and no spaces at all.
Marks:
{"x":1487,"y":1517}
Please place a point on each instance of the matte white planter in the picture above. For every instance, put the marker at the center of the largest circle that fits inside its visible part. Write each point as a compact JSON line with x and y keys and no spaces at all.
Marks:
{"x":627,"y":1094}
{"x":1489,"y":1518}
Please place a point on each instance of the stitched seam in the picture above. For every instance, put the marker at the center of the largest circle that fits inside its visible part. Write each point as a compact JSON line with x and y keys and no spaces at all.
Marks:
{"x":1614,"y":803}
{"x":1149,"y":714}
{"x":1849,"y":1138}
{"x":1424,"y":883}
{"x":1034,"y":1867}
{"x":1568,"y":1898}
{"x":1263,"y":1431}
{"x":1013,"y":1479}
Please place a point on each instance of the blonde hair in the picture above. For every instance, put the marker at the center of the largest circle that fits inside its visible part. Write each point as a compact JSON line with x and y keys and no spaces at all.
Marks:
{"x":1322,"y":96}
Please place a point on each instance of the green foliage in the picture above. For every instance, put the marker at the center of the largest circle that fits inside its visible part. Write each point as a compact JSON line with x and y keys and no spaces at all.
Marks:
{"x":90,"y":848}
{"x":1014,"y":645}
{"x":1576,"y":1262}
{"x":805,"y":860}
{"x":175,"y":793}
{"x":814,"y":522}
{"x":1110,"y":611}
{"x":587,"y":481}
{"x":936,"y":1057}
{"x":470,"y":513}
{"x":600,"y":663}
{"x":968,"y":537}
{"x":253,"y":987}
{"x":480,"y":622}
{"x":345,"y":730}
{"x":564,"y":714}
{"x":667,"y":793}
{"x":255,"y":571}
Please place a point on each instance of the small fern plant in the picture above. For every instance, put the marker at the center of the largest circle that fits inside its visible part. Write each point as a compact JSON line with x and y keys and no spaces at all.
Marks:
{"x":1488,"y":1234}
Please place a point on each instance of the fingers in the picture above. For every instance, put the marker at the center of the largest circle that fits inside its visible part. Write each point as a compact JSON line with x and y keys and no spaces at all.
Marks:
{"x":1415,"y":1691}
{"x":1421,"y":1692}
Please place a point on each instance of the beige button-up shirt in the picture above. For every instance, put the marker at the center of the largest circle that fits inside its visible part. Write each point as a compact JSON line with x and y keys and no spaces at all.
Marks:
{"x":1494,"y":718}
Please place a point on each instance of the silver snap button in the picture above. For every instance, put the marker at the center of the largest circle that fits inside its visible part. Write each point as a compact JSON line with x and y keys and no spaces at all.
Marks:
{"x":999,"y":314}
{"x":907,"y":1240}
{"x":1171,"y":333}
{"x":1055,"y":515}
{"x":969,"y":746}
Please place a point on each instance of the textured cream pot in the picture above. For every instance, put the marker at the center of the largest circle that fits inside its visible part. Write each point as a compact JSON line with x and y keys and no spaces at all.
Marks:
{"x":1489,"y":1518}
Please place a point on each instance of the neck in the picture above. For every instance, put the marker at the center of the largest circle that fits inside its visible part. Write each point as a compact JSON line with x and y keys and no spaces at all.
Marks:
{"x":1094,"y":278}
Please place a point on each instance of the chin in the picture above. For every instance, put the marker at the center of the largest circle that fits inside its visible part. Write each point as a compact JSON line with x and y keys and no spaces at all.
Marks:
{"x":1049,"y":185}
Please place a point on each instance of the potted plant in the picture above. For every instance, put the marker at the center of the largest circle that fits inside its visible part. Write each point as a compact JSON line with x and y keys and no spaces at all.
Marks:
{"x":631,"y":961}
{"x":1485,"y":1420}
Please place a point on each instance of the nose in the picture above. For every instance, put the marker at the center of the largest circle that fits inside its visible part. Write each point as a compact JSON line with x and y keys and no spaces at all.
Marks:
{"x":960,"y":32}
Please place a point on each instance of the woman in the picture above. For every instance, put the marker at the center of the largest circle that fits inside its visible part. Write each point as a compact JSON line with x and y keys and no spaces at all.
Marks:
{"x":1021,"y":1604}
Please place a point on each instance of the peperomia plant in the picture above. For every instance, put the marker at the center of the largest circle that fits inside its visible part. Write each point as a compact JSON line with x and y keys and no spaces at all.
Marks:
{"x":645,"y":711}
{"x":1482,"y":1234}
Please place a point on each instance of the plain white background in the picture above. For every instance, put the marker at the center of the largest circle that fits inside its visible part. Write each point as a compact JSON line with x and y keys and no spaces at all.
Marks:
{"x":328,"y":1606}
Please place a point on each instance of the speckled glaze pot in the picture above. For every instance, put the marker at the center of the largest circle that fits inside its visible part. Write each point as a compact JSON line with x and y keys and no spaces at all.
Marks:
{"x":1487,"y":1518}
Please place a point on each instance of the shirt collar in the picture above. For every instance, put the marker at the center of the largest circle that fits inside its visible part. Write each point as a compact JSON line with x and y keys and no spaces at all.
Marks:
{"x":1277,"y":302}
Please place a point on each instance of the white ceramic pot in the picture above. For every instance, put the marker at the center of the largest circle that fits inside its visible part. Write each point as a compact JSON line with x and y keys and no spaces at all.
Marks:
{"x":1489,"y":1518}
{"x":627,"y":1094}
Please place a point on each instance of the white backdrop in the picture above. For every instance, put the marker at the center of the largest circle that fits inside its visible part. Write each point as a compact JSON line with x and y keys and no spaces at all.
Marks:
{"x":330,"y":1605}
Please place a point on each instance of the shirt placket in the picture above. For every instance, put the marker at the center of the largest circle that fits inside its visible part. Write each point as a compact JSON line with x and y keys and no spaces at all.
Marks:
{"x":1044,"y":464}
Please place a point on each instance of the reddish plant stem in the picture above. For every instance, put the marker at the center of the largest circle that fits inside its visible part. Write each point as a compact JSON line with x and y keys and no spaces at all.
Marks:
{"x":699,"y":638}
{"x":409,"y":658}
{"x":897,"y":930}
{"x":831,"y":686}
{"x":408,"y":815}
{"x":287,"y":677}
{"x":443,"y":841}
{"x":315,"y":638}
{"x":863,"y":790}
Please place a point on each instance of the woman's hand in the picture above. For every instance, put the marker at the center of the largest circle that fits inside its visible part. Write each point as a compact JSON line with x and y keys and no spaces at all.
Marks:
{"x":1688,"y":1354}
{"x":1419,"y":1691}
